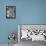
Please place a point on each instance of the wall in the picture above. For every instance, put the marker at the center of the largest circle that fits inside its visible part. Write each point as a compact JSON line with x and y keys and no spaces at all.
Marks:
{"x":6,"y":25}
{"x":31,"y":11}
{"x":27,"y":12}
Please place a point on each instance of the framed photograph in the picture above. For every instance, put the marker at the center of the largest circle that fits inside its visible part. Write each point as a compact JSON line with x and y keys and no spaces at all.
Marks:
{"x":10,"y":12}
{"x":32,"y":32}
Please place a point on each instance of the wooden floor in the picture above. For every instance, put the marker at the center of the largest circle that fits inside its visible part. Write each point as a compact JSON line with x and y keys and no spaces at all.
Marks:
{"x":30,"y":43}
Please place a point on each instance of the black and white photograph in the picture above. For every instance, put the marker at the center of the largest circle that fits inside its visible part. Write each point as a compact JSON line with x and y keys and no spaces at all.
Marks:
{"x":31,"y":34}
{"x":10,"y":12}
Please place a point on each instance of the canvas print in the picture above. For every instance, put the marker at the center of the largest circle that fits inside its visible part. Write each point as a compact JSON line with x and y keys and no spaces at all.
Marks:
{"x":31,"y":33}
{"x":10,"y":12}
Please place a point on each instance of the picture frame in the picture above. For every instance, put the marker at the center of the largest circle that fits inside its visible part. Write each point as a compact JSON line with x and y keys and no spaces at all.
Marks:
{"x":10,"y":12}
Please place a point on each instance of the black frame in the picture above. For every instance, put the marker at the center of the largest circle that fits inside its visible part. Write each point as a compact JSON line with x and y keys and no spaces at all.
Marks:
{"x":14,"y":11}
